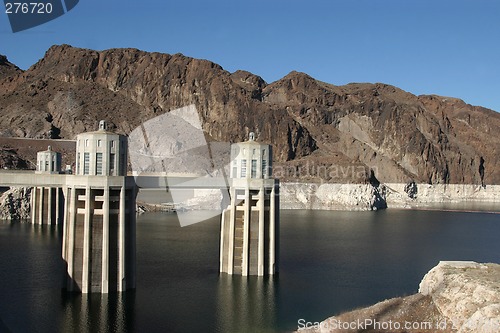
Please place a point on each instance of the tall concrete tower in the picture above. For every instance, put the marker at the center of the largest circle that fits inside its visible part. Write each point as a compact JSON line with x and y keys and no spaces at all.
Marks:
{"x":101,"y":153}
{"x":250,"y":224}
{"x":47,"y":202}
{"x":99,"y":228}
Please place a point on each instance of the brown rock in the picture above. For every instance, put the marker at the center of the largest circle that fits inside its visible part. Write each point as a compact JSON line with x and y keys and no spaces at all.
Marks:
{"x":7,"y":69}
{"x":397,"y":135}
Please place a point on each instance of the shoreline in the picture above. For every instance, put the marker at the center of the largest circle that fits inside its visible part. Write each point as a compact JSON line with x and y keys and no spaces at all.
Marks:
{"x":390,"y":195}
{"x":15,"y":202}
{"x":450,"y":210}
{"x":350,"y":197}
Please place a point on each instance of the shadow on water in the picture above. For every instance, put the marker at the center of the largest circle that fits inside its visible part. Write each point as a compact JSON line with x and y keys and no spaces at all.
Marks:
{"x":112,"y":312}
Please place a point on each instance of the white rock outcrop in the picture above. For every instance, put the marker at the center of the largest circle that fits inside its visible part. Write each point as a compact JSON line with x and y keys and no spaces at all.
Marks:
{"x":440,"y":193}
{"x":467,"y":293}
{"x":369,"y":197}
{"x":331,"y":196}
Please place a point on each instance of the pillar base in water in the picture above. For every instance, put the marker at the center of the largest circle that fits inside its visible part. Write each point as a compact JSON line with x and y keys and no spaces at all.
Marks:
{"x":249,"y":228}
{"x":99,"y":234}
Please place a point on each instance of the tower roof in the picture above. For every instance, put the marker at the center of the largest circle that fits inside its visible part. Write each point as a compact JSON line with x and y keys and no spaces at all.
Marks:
{"x":49,"y":150}
{"x":251,"y":141}
{"x":103,"y":129}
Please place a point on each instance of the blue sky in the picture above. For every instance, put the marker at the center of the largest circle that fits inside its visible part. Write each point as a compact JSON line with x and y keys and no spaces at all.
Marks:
{"x":444,"y":47}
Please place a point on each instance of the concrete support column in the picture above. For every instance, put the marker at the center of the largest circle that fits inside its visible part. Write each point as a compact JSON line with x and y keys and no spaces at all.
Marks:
{"x":272,"y":231}
{"x":65,"y":212}
{"x":49,"y":206}
{"x":40,"y":209}
{"x":132,"y":217}
{"x":105,"y":242}
{"x":86,"y":243}
{"x":33,"y":205}
{"x":65,"y":235}
{"x":71,"y":238}
{"x":230,"y":258}
{"x":221,"y":245}
{"x":121,"y":242}
{"x":246,"y":228}
{"x":261,"y":207}
{"x":57,"y":205}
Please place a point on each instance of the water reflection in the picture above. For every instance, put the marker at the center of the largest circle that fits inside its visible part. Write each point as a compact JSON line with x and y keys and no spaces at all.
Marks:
{"x":330,"y":262}
{"x":98,"y":313}
{"x":246,"y":304}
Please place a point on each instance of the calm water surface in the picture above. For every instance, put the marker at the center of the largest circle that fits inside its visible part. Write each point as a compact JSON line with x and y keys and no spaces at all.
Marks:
{"x":330,"y":262}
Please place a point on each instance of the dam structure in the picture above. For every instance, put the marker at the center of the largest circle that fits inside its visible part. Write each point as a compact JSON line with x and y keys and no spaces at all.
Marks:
{"x":250,"y":224}
{"x":96,"y":202}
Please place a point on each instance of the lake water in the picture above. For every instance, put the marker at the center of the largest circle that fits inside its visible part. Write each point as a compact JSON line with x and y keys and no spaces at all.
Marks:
{"x":330,"y":262}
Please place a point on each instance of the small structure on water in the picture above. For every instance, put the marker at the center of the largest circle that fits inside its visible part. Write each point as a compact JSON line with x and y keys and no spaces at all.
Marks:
{"x":47,"y":202}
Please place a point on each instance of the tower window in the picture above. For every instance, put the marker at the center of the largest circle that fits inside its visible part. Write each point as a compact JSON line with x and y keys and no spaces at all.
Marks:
{"x":86,"y":163}
{"x":243,"y":168}
{"x":98,"y":164}
{"x":254,"y":169}
{"x":264,"y":168}
{"x":235,"y":169}
{"x":111,"y":164}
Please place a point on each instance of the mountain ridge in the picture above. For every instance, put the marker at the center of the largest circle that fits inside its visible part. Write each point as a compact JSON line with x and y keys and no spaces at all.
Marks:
{"x":383,"y":131}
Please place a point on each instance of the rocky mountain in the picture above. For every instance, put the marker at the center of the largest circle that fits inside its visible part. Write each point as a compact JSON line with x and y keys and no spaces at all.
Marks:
{"x":353,"y":133}
{"x":7,"y":69}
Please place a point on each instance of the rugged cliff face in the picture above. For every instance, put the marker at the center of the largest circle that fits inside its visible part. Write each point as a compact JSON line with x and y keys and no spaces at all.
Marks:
{"x":397,"y":134}
{"x":349,"y":134}
{"x":7,"y":69}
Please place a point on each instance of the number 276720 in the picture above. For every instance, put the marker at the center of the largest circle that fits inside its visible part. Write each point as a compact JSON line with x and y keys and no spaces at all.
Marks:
{"x":28,"y":8}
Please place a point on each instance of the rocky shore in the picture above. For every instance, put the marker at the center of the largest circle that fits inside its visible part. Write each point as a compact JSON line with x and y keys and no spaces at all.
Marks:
{"x":456,"y":296}
{"x":372,"y":197}
{"x":359,"y":197}
{"x":15,"y":204}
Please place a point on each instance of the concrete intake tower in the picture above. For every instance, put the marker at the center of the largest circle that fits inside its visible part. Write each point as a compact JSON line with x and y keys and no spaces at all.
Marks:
{"x":99,"y":226}
{"x":249,"y":225}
